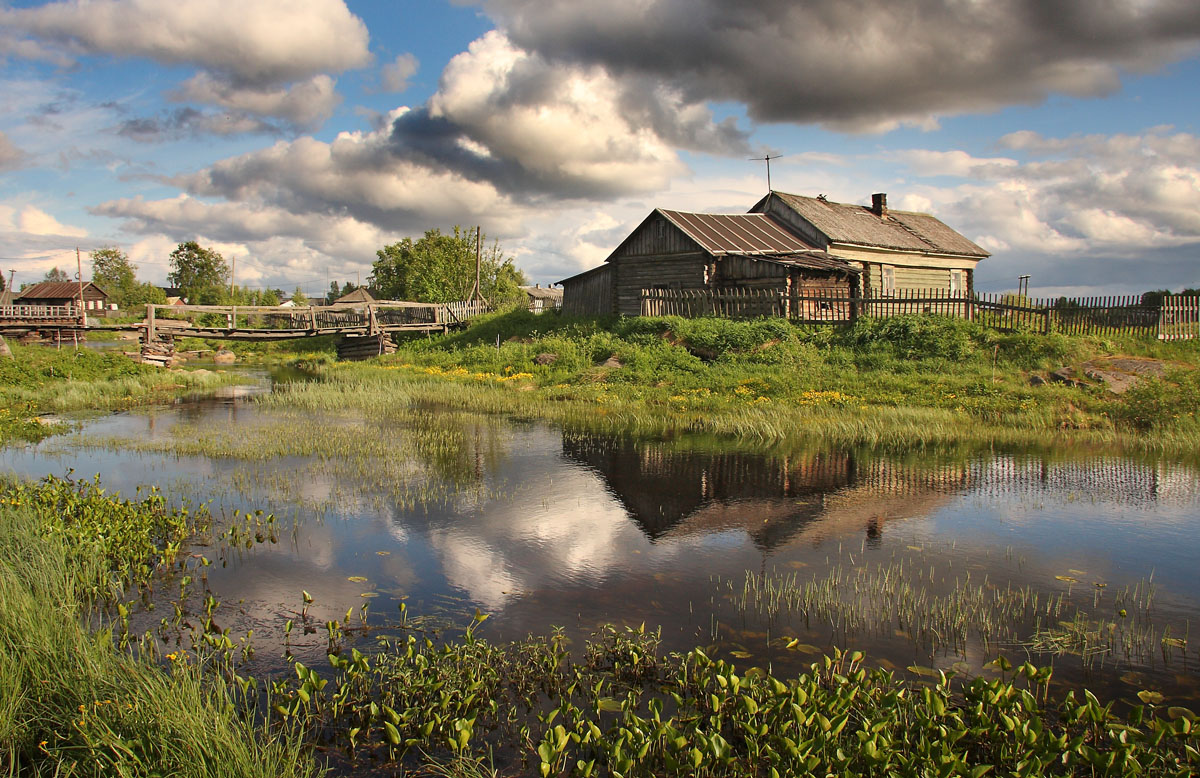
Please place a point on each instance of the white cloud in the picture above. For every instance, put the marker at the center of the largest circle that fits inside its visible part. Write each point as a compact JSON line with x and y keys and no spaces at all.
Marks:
{"x":32,"y":220}
{"x":395,"y":74}
{"x":306,"y":104}
{"x":252,"y":41}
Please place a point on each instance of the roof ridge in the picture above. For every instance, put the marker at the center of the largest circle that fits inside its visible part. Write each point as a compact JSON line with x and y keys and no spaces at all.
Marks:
{"x":910,"y":230}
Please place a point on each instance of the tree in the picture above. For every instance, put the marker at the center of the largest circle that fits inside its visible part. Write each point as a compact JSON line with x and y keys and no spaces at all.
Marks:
{"x":440,"y":268}
{"x":201,"y":273}
{"x":299,"y":297}
{"x":54,"y":274}
{"x":114,"y":273}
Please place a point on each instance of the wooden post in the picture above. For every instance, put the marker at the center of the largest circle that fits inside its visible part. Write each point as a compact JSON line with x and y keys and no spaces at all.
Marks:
{"x":79,"y":276}
{"x":312,"y":319}
{"x":150,"y":323}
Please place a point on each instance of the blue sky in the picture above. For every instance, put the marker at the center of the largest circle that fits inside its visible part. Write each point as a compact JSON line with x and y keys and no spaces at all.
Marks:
{"x":298,"y":137}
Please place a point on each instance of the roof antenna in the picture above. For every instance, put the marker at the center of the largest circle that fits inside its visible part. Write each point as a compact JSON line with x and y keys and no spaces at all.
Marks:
{"x":767,"y":159}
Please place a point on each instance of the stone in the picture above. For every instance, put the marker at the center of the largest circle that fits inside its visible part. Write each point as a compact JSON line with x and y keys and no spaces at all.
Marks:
{"x":224,"y":357}
{"x":611,"y":362}
{"x":1036,"y":380}
{"x":545,"y":359}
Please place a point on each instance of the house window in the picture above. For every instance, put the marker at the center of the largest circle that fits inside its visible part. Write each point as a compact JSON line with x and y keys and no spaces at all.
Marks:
{"x":887,"y":280}
{"x":957,"y":282}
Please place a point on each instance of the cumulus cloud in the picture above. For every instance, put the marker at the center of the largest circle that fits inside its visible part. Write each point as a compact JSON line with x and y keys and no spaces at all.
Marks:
{"x":395,"y":74}
{"x":252,"y":41}
{"x":533,"y":128}
{"x":859,"y":64}
{"x":11,"y":157}
{"x":258,"y":58}
{"x":1079,"y":210}
{"x":306,"y":105}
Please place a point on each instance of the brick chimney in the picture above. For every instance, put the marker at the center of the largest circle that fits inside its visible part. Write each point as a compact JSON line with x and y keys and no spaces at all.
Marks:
{"x":879,"y":204}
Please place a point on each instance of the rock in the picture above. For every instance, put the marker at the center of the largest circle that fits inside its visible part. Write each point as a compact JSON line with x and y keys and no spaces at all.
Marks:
{"x":611,"y":362}
{"x":1064,"y":375}
{"x":1123,"y":373}
{"x":224,"y":357}
{"x":545,"y":359}
{"x":5,"y":351}
{"x":1036,"y":380}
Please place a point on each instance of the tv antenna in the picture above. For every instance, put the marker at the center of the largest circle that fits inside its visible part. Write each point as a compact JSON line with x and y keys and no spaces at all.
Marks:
{"x":767,"y":158}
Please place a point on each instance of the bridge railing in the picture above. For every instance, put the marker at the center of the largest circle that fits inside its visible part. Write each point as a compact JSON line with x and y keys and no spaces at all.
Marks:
{"x":372,"y":317}
{"x":38,"y":312}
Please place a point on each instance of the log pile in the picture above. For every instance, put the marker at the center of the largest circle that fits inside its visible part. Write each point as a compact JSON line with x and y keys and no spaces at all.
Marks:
{"x":159,"y":352}
{"x":364,"y":347}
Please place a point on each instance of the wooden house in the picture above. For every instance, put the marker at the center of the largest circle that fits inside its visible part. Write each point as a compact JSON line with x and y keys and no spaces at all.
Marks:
{"x":64,"y":293}
{"x":542,"y":298}
{"x":896,"y":250}
{"x":678,"y":250}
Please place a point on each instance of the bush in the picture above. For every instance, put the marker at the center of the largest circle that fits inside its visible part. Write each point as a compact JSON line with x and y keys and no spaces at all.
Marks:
{"x":1160,"y":402}
{"x":914,"y":336}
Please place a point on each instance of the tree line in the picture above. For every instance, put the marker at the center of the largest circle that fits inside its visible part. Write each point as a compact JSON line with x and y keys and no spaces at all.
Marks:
{"x":437,"y":268}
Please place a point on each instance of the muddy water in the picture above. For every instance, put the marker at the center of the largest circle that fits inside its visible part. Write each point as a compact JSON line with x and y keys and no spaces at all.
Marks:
{"x":543,"y":529}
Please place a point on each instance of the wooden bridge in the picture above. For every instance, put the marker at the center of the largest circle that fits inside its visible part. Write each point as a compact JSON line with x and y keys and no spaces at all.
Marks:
{"x":363,"y":329}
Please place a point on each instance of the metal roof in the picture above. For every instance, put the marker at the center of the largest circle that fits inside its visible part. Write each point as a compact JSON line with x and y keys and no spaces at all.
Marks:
{"x":812,"y":260}
{"x":859,"y":225}
{"x":54,"y":290}
{"x":736,"y":233}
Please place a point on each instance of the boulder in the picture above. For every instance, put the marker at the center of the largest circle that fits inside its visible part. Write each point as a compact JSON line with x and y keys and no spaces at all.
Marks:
{"x":224,"y":357}
{"x":545,"y":359}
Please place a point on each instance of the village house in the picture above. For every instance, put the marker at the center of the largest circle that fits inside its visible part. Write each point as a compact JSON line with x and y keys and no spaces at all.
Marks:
{"x":540,"y":298}
{"x":64,"y":293}
{"x":678,"y":250}
{"x":896,"y":250}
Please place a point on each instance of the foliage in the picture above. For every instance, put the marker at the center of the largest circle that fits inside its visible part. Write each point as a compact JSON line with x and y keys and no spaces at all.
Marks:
{"x":627,"y":711}
{"x":201,"y":273}
{"x":440,"y":268}
{"x":114,"y":273}
{"x":299,"y":297}
{"x":54,"y":274}
{"x":72,"y":704}
{"x":1161,"y":402}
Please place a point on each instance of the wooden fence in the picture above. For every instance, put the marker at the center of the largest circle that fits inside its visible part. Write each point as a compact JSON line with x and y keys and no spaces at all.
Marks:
{"x":1177,"y":317}
{"x":1180,"y":319}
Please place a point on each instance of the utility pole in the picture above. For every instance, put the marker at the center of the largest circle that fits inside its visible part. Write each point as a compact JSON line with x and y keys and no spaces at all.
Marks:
{"x":12,"y":272}
{"x":767,"y":159}
{"x":232,"y":274}
{"x":79,"y":277}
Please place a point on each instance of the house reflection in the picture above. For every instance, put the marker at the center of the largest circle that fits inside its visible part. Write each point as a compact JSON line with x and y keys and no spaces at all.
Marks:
{"x":812,"y":497}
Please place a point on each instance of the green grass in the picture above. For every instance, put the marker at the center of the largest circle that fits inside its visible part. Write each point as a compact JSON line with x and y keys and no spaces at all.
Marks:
{"x":903,"y":381}
{"x":71,"y":703}
{"x":38,"y":381}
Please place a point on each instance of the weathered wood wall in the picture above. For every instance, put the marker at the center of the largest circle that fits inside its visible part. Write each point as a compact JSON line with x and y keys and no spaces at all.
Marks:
{"x":633,"y":274}
{"x":589,"y":294}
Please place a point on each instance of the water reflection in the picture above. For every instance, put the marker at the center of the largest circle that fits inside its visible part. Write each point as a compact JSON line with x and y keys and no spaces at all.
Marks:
{"x":541,"y":528}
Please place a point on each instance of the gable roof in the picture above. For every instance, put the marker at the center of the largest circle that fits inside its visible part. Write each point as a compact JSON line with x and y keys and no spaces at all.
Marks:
{"x":859,"y":225}
{"x":359,"y":295}
{"x":736,"y":233}
{"x":55,"y":290}
{"x":542,"y":293}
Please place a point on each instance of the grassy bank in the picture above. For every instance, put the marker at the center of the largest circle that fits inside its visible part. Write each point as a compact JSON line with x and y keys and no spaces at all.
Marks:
{"x":899,"y":382}
{"x":39,"y":381}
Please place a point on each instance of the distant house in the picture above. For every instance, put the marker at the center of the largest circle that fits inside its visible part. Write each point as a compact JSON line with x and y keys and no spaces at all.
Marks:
{"x":542,"y":298}
{"x":679,"y":250}
{"x":896,"y":250}
{"x":64,"y":293}
{"x":358,"y":297}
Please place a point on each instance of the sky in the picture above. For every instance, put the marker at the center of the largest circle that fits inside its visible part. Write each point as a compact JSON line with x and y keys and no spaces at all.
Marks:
{"x":297,"y":137}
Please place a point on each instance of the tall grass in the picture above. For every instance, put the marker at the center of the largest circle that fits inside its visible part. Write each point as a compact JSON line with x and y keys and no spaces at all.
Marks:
{"x":71,"y":704}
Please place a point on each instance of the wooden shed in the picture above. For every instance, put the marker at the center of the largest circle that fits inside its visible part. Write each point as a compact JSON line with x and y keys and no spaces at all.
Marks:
{"x":680,"y":250}
{"x":64,"y":293}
